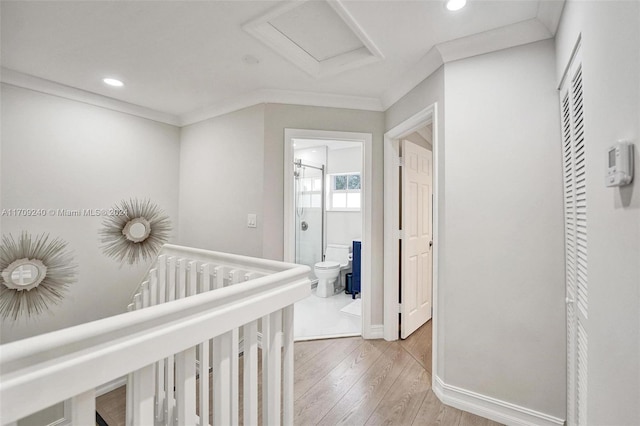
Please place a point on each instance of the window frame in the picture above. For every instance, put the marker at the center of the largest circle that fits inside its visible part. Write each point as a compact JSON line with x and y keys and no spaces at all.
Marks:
{"x":330,"y":191}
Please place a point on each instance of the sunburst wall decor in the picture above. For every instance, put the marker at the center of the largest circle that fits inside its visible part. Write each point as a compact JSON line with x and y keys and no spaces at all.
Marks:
{"x":36,"y":273}
{"x":136,"y":234}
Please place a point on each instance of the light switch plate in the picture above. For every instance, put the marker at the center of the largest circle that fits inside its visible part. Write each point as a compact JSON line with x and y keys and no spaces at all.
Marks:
{"x":251,"y":220}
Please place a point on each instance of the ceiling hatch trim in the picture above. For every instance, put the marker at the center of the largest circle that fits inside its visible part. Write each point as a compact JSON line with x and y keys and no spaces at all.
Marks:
{"x":289,"y":30}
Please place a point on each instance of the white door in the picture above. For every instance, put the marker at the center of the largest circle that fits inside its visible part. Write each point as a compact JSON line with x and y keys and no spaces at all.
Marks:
{"x":417,"y":240}
{"x":575,"y":203}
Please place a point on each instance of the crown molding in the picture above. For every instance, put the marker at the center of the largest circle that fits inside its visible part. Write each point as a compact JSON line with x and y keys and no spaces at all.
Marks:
{"x":518,"y":34}
{"x":426,"y":66}
{"x":261,"y":96}
{"x":37,"y":84}
{"x":549,"y":13}
{"x":513,"y":35}
{"x":539,"y":28}
{"x":273,"y":96}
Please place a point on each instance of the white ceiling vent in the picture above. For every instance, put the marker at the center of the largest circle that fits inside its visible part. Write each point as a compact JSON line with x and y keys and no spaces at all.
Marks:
{"x":321,"y":37}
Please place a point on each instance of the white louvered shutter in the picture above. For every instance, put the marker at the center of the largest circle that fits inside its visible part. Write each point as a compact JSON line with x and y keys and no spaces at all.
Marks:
{"x":575,"y":206}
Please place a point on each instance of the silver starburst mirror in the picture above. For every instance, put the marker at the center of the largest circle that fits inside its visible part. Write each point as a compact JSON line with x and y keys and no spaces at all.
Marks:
{"x":136,"y":234}
{"x":36,"y":273}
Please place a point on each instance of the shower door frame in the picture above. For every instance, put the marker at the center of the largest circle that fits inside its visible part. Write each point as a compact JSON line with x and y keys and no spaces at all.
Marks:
{"x":369,"y":330}
{"x":323,"y":219}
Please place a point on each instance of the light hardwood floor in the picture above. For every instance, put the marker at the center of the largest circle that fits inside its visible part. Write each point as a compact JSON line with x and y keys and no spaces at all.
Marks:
{"x":351,"y":381}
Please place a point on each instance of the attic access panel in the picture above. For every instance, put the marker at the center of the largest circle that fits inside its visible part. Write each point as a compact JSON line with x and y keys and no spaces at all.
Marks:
{"x":321,"y":37}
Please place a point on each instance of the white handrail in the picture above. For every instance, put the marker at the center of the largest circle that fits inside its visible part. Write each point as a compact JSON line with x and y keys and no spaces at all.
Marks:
{"x":265,"y":266}
{"x":40,"y":371}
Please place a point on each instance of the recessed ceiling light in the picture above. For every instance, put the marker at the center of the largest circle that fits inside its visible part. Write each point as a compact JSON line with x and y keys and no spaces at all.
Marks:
{"x":454,"y":5}
{"x":113,"y":82}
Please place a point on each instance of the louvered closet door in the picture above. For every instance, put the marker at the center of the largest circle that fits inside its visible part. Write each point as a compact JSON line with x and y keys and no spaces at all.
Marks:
{"x":575,"y":203}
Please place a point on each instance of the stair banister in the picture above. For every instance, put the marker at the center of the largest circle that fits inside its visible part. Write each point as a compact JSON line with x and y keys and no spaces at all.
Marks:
{"x":69,"y":364}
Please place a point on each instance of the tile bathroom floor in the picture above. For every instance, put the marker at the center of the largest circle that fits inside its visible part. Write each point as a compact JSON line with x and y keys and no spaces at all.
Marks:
{"x":320,"y":317}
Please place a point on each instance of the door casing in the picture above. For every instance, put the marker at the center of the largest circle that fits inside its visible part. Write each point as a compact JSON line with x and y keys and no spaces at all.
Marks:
{"x":391,"y":221}
{"x":369,"y":330}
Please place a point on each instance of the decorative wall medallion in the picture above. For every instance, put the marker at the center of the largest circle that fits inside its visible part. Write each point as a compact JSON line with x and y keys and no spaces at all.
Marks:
{"x":136,"y":235}
{"x":35,"y":274}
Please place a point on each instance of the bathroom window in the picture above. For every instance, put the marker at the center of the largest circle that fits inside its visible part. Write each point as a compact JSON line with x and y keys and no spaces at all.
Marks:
{"x":344,"y":191}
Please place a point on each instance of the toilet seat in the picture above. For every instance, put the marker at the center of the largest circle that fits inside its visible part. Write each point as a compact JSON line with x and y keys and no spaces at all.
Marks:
{"x":327,"y":265}
{"x":336,"y":258}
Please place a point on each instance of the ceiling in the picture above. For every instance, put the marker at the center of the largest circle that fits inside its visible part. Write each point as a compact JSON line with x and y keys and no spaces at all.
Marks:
{"x":183,"y":61}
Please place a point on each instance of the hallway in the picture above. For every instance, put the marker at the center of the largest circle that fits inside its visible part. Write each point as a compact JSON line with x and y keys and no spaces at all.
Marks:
{"x":354,"y":381}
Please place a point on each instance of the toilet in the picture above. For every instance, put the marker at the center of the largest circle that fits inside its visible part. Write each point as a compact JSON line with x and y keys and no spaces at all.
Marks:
{"x":337,"y":257}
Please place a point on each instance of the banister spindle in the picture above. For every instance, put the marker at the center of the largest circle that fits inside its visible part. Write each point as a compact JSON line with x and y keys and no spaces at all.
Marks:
{"x":203,"y":353}
{"x":143,"y":389}
{"x":83,"y":408}
{"x":181,"y":285}
{"x":218,"y":277}
{"x":192,"y":278}
{"x":235,"y":276}
{"x":250,"y":374}
{"x":271,"y":365}
{"x":161,"y":393}
{"x":153,"y":287}
{"x":186,"y":387}
{"x":225,"y":378}
{"x":169,"y":377}
{"x":288,"y":365}
{"x":145,"y":297}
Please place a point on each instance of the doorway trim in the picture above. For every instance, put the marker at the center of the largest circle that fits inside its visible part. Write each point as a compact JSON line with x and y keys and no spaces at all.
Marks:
{"x":392,"y":221}
{"x":366,"y":139}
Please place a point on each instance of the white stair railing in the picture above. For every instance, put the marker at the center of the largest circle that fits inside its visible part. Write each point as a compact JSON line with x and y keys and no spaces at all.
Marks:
{"x":193,"y":304}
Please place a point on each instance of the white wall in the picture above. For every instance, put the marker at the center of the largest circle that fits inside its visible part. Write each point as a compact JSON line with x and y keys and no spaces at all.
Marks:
{"x":345,"y":160}
{"x":611,"y":69}
{"x":502,"y":276}
{"x":280,"y":116}
{"x":221,"y":170}
{"x":232,"y":165}
{"x":62,"y":154}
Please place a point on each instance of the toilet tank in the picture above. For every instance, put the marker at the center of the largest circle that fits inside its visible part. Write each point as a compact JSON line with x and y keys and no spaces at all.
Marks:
{"x":338,"y":253}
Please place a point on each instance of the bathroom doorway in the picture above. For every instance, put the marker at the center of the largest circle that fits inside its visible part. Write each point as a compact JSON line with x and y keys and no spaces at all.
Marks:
{"x":325,"y":229}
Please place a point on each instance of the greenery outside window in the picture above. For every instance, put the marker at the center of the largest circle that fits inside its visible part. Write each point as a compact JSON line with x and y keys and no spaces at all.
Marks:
{"x":344,"y":191}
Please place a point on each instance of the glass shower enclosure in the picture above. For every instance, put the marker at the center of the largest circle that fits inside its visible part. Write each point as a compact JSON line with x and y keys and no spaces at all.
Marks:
{"x":309,"y":199}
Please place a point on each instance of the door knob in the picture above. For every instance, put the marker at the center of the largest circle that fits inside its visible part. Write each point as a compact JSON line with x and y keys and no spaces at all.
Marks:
{"x":430,"y":244}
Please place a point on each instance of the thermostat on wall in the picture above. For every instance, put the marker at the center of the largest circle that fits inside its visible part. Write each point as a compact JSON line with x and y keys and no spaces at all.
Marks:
{"x":620,"y":164}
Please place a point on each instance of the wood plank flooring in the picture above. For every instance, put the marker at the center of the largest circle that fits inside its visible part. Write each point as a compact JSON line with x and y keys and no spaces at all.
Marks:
{"x":351,"y":381}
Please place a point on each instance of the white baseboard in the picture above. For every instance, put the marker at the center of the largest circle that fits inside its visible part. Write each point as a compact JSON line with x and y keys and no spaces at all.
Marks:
{"x":374,"y":332}
{"x":491,"y":408}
